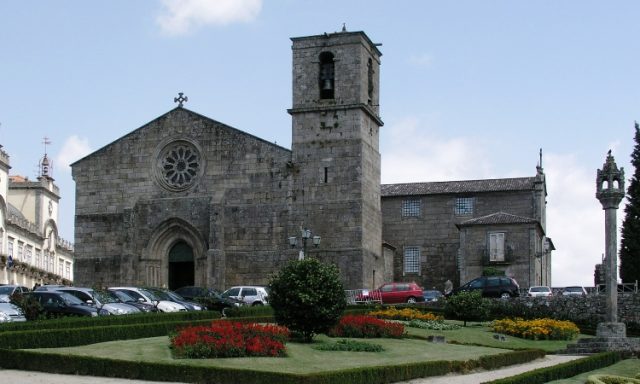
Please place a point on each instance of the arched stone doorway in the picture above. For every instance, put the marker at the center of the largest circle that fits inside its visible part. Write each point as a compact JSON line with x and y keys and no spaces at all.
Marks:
{"x":181,"y":265}
{"x":176,"y":256}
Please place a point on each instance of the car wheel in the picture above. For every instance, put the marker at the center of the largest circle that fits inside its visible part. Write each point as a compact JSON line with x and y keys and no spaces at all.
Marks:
{"x":411,"y":300}
{"x":256,"y":303}
{"x":505,"y":295}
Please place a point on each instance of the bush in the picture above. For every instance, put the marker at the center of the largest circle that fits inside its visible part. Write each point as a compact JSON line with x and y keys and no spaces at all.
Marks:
{"x":307,"y":297}
{"x":537,"y":329}
{"x":30,"y":306}
{"x":467,"y":306}
{"x":366,"y":327}
{"x":434,"y":325}
{"x":404,"y":314}
{"x":229,"y":339}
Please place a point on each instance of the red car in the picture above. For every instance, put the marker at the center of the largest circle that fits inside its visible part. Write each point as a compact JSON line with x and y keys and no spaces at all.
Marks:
{"x":394,"y":293}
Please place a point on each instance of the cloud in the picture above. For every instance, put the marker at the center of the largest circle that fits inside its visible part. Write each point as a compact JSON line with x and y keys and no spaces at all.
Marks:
{"x":180,"y":17}
{"x":73,"y":149}
{"x":422,"y":60}
{"x":410,"y":154}
{"x":575,"y":220}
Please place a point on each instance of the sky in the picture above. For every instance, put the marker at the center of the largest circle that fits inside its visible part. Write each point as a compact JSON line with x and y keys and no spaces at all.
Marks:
{"x":469,"y":89}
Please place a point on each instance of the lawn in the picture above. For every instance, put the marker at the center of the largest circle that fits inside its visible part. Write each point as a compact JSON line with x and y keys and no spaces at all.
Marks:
{"x":302,"y":358}
{"x":480,"y":334}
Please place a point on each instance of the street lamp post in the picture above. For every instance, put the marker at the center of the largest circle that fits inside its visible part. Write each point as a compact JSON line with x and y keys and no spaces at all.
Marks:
{"x":305,"y":235}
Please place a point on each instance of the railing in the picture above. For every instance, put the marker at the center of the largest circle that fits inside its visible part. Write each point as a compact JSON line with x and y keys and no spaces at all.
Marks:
{"x":622,"y":288}
{"x":363,"y":296}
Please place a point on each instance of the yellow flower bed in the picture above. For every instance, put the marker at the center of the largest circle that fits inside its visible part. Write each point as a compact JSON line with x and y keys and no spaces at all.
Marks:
{"x":537,"y":329}
{"x":404,"y":314}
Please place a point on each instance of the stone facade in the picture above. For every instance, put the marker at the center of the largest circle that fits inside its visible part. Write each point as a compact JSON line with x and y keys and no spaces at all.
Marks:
{"x":31,"y":252}
{"x":452,"y":226}
{"x":188,"y":200}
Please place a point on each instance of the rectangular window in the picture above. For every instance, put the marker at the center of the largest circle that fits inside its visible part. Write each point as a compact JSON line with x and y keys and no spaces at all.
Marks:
{"x":412,"y":260}
{"x":60,"y":267}
{"x":38,"y":258}
{"x":464,"y":206}
{"x":67,"y":271}
{"x":28,"y":251}
{"x":20,"y":251}
{"x":410,"y":207}
{"x":10,"y":247}
{"x":496,"y":246}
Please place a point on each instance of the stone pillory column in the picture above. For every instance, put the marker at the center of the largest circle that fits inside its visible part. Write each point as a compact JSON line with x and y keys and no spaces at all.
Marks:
{"x":610,"y":191}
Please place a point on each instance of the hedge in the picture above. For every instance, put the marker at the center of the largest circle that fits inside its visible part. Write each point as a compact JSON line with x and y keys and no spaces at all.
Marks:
{"x":68,"y":337}
{"x":562,"y":371}
{"x":86,"y":365}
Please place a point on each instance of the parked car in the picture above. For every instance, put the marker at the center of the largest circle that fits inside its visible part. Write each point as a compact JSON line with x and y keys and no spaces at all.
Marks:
{"x":146,"y":296}
{"x":574,"y":291}
{"x":57,"y":304}
{"x":539,"y":290}
{"x":250,"y":295}
{"x":172,"y":296}
{"x":491,"y":286}
{"x":394,"y":293}
{"x":432,"y":296}
{"x":107,"y":303}
{"x":10,"y":313}
{"x":7,"y":290}
{"x":208,"y":296}
{"x":49,"y":287}
{"x":141,"y":305}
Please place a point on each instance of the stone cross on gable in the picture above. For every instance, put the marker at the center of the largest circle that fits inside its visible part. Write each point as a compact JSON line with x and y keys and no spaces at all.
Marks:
{"x":180,"y":99}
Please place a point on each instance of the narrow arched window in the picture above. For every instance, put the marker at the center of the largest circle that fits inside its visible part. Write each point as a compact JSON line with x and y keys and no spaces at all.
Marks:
{"x":327,"y":76}
{"x":370,"y":79}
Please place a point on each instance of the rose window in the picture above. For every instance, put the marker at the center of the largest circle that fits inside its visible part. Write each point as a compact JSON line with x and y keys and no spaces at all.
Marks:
{"x":179,"y":165}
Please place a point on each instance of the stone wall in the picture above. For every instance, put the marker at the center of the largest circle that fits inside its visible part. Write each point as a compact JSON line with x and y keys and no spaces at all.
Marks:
{"x":589,"y":309}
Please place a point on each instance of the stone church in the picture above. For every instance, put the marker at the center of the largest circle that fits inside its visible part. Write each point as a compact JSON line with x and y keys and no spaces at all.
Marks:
{"x":187,"y":200}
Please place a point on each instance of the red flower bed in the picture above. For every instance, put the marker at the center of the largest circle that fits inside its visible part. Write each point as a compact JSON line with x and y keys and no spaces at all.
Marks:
{"x":367,"y":327}
{"x":230,"y":339}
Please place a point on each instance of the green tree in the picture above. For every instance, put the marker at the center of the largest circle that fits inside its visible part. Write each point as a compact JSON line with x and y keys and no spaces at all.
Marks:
{"x":307,"y":296}
{"x":630,"y":243}
{"x":467,"y":306}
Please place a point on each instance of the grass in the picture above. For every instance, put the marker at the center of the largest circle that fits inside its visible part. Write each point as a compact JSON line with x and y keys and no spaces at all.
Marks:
{"x":628,"y":368}
{"x":481,"y":334}
{"x":302,"y":358}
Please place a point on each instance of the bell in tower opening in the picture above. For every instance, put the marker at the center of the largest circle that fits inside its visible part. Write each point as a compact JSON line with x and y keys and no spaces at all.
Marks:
{"x":326,"y":75}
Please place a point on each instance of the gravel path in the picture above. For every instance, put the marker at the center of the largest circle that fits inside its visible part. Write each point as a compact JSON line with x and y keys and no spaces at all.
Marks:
{"x":30,"y":377}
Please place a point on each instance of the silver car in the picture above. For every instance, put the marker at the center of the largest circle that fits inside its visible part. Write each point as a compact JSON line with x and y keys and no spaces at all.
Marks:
{"x":10,"y":312}
{"x":250,"y":295}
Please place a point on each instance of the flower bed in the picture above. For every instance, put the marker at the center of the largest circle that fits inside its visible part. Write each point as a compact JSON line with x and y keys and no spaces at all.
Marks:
{"x":537,"y":329}
{"x":406,"y":314}
{"x":229,"y":339}
{"x":366,"y":327}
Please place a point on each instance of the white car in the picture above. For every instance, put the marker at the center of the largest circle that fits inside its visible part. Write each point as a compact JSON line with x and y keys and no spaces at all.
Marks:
{"x":539,"y":291}
{"x":7,"y":290}
{"x":250,"y":295}
{"x":574,"y":291}
{"x":146,"y":296}
{"x":10,"y":312}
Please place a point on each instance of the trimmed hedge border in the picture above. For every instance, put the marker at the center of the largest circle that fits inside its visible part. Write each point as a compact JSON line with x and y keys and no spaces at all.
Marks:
{"x":84,"y":322}
{"x":562,"y":371}
{"x":69,"y":337}
{"x":86,"y":365}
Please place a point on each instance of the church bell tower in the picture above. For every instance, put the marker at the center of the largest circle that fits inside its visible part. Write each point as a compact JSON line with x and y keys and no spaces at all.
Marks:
{"x":335,"y":156}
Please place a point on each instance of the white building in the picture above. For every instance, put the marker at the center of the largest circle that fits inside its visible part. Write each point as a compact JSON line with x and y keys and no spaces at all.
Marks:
{"x":31,"y":252}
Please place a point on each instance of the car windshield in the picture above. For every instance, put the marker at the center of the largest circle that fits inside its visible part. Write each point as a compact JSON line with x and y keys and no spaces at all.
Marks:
{"x":5,"y":290}
{"x":149,"y":294}
{"x":539,"y":289}
{"x":123,"y":296}
{"x":175,"y":296}
{"x":160,"y":295}
{"x":107,"y":297}
{"x":573,"y":289}
{"x":70,"y":299}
